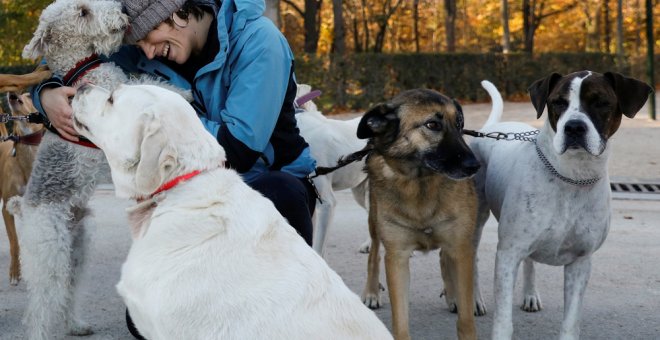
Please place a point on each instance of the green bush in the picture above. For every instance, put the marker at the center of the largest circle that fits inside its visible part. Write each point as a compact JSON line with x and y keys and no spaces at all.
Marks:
{"x":370,"y":78}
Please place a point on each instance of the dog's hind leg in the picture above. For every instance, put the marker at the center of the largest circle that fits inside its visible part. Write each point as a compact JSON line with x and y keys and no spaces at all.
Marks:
{"x":46,"y":257}
{"x":323,"y":215}
{"x":79,"y":249}
{"x":531,"y":297}
{"x":14,"y":248}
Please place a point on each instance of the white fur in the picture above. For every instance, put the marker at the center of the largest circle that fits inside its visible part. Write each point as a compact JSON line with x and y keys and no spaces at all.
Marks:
{"x":214,"y":259}
{"x":329,"y":140}
{"x":542,"y":218}
{"x":53,"y":210}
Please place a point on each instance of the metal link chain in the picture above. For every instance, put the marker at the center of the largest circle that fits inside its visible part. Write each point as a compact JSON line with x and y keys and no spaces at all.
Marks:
{"x":530,"y":136}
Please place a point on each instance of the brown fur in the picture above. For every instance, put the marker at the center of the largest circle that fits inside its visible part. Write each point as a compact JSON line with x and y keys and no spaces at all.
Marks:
{"x":20,"y":82}
{"x":16,"y":165}
{"x":415,"y":207}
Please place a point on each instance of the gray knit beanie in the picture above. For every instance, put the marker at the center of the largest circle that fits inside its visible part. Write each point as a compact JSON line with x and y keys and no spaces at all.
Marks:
{"x":145,"y":15}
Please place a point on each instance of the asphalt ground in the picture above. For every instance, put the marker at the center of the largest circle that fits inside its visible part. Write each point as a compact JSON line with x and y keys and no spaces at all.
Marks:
{"x":622,"y":300}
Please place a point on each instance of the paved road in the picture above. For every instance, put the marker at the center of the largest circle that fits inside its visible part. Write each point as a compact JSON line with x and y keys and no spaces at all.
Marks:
{"x":622,"y":300}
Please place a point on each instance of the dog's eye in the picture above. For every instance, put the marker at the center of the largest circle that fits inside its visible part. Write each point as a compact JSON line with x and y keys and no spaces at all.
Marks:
{"x":601,"y":104}
{"x":433,"y":125}
{"x":83,"y":12}
{"x":111,"y":100}
{"x":559,"y":104}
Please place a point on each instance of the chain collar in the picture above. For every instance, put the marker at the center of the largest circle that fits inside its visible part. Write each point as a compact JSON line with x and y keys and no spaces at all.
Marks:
{"x":579,"y":183}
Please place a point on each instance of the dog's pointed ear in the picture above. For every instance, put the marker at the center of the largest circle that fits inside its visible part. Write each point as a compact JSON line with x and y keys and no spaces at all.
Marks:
{"x":630,"y":92}
{"x":158,"y":158}
{"x":540,"y":90}
{"x":38,"y":46}
{"x":376,"y":120}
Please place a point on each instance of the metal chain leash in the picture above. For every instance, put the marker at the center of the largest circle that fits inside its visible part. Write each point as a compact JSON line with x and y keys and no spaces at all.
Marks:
{"x":530,"y":136}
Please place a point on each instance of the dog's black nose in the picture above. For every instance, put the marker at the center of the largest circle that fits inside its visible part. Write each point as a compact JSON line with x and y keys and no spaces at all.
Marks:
{"x":124,"y":10}
{"x":575,"y":128}
{"x":13,"y":96}
{"x":470,"y":165}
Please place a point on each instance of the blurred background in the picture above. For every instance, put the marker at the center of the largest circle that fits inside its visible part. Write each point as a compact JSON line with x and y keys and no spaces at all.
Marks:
{"x":360,"y":52}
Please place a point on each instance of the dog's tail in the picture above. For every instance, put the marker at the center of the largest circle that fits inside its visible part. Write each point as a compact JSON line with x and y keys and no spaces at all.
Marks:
{"x":498,"y":104}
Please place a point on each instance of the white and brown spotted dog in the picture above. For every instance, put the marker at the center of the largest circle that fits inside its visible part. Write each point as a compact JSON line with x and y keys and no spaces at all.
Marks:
{"x":551,"y":194}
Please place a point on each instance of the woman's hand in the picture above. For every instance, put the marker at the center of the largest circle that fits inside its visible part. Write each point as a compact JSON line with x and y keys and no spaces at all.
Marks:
{"x":56,"y":104}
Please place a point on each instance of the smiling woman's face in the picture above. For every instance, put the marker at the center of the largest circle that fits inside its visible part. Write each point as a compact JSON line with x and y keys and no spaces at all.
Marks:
{"x":173,"y":42}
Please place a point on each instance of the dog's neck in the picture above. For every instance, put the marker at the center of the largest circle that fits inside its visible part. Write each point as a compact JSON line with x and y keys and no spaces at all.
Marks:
{"x":65,"y":66}
{"x":579,"y":165}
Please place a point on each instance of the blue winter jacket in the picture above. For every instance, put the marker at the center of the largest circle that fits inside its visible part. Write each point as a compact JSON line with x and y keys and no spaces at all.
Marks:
{"x":244,"y":96}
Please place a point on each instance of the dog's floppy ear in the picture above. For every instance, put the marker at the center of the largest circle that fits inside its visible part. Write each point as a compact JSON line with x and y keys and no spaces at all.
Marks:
{"x":376,"y":120}
{"x":39,"y":44}
{"x":540,"y":90}
{"x":630,"y":92}
{"x":158,"y":158}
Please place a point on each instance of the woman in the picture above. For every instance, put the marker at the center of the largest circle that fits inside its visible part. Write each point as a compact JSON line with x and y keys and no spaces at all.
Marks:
{"x":240,"y":70}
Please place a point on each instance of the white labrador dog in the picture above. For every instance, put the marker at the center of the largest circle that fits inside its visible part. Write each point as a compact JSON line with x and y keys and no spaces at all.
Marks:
{"x":330,"y":139}
{"x":211,"y":258}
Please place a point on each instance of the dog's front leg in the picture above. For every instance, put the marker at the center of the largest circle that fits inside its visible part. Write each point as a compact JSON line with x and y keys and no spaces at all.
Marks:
{"x":462,"y":261}
{"x":397,"y":271}
{"x":576,"y":277}
{"x":506,"y":269}
{"x":531,"y":297}
{"x":370,"y":295}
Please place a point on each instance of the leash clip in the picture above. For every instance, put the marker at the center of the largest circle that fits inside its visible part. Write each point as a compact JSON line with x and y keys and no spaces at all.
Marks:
{"x":499,"y":136}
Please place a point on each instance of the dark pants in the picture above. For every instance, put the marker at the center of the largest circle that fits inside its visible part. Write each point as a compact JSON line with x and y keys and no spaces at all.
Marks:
{"x":293,"y":197}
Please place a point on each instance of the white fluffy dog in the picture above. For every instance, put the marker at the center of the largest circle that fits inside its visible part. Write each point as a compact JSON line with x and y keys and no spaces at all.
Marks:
{"x":211,"y":258}
{"x":53,"y":211}
{"x":329,"y":140}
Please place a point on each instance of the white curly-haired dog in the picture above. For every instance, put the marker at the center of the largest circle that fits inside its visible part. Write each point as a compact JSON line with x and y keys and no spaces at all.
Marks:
{"x":329,"y":140}
{"x":53,"y":211}
{"x":211,"y":258}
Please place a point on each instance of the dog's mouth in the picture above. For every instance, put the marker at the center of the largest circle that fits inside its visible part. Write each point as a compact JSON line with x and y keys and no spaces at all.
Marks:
{"x":78,"y":125}
{"x":459,"y":166}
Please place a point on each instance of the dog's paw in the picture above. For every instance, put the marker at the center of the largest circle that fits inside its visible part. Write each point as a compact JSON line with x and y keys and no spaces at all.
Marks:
{"x":479,"y":307}
{"x":532,"y":303}
{"x":364,"y":247}
{"x":451,"y":302}
{"x":14,"y":280}
{"x":14,"y":205}
{"x":372,"y":300}
{"x":80,"y":328}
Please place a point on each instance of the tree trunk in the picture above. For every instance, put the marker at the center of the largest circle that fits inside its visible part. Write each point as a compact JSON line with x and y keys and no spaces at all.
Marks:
{"x":416,"y":24}
{"x":338,"y":50}
{"x":365,"y":25}
{"x":607,"y":26}
{"x":528,"y":26}
{"x":273,"y":12}
{"x":312,"y":12}
{"x":450,"y":25}
{"x":619,"y":32}
{"x":383,"y":20}
{"x":506,"y":36}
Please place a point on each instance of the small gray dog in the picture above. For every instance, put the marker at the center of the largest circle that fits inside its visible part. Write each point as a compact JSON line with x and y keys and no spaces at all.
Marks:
{"x":53,"y":211}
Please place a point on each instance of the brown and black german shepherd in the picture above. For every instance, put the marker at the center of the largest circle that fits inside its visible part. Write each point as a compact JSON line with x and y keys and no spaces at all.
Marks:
{"x":420,"y":198}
